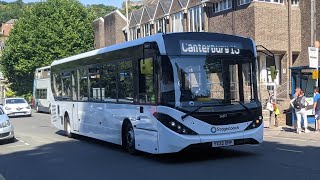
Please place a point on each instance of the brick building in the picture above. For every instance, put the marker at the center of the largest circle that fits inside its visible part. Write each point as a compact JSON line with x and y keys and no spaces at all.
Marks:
{"x":266,"y":21}
{"x":6,"y":27}
{"x":109,"y":30}
{"x":305,"y":7}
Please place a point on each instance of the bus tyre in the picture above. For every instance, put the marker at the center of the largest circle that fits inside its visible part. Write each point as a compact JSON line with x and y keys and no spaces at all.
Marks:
{"x":129,"y":139}
{"x":68,"y":127}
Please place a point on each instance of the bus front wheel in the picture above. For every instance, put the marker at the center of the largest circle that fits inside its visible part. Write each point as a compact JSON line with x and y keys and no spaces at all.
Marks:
{"x":129,"y":139}
{"x":68,"y":127}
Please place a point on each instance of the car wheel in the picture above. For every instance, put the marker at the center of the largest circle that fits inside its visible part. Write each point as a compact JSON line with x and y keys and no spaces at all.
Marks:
{"x":68,"y":127}
{"x":12,"y":140}
{"x":129,"y":139}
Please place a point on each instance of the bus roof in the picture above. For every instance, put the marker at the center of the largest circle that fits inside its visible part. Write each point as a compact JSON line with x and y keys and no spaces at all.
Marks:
{"x":41,"y":68}
{"x":158,"y":38}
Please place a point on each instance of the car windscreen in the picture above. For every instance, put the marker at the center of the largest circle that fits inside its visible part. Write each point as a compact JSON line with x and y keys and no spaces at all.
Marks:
{"x":15,"y":101}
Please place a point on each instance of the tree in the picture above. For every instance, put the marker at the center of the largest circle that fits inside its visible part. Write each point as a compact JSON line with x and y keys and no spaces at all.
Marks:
{"x":46,"y":31}
{"x":100,"y":10}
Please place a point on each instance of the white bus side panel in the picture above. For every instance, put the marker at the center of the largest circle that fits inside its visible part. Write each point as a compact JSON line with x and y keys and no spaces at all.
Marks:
{"x":56,"y":120}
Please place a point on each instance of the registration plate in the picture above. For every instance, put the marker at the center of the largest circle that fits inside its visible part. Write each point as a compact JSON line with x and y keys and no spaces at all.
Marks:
{"x":19,"y":114}
{"x":222,"y":143}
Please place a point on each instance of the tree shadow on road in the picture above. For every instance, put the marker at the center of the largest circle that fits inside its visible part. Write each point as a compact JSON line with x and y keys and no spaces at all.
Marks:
{"x":87,"y":158}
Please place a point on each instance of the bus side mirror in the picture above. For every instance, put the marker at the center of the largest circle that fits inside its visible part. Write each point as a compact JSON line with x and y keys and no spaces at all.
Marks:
{"x":146,"y":66}
{"x":273,"y":72}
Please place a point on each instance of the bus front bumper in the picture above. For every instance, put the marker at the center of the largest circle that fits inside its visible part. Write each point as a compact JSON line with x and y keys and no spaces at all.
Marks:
{"x":170,"y":142}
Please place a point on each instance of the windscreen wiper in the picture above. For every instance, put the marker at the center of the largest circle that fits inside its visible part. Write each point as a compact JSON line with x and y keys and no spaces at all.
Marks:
{"x":191,"y":112}
{"x":246,"y":107}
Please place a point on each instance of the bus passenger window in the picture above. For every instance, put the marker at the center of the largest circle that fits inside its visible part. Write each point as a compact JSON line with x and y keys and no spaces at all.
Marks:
{"x":146,"y":81}
{"x":109,"y":83}
{"x":94,"y":78}
{"x":125,"y":90}
{"x":74,"y":82}
{"x":66,"y":85}
{"x":57,"y":85}
{"x":83,"y":83}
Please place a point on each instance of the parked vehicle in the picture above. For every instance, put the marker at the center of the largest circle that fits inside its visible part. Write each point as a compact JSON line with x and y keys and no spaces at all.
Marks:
{"x":41,"y":89}
{"x":6,"y":128}
{"x":16,"y":107}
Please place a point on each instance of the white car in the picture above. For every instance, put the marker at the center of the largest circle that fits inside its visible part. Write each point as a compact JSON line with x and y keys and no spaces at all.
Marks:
{"x":6,"y":128}
{"x":16,"y":107}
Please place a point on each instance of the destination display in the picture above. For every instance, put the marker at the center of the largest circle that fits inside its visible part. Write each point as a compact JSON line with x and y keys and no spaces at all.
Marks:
{"x":189,"y":47}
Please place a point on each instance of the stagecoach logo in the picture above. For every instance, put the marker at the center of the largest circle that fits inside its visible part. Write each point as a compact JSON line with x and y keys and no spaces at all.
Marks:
{"x":213,"y":130}
{"x":224,"y":129}
{"x":213,"y":47}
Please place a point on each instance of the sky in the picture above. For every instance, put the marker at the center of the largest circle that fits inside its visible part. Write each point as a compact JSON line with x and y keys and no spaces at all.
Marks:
{"x":116,"y":3}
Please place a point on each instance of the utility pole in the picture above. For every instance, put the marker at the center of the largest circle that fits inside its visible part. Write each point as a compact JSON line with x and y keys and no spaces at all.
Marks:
{"x":127,"y":14}
{"x":289,"y":59}
{"x":313,"y":28}
{"x":313,"y":23}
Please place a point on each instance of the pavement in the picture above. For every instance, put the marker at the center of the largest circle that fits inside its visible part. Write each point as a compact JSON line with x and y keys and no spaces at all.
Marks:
{"x":289,"y":132}
{"x":43,"y":152}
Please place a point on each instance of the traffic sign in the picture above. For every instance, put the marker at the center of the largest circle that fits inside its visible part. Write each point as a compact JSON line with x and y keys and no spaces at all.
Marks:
{"x":313,"y":57}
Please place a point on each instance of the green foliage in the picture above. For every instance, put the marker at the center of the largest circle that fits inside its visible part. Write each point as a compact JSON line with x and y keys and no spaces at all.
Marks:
{"x":46,"y":31}
{"x":100,"y":10}
{"x":11,"y":10}
{"x":130,"y":8}
{"x":10,"y":93}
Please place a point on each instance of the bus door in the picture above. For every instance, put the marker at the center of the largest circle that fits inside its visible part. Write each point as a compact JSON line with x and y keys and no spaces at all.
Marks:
{"x":75,"y":119}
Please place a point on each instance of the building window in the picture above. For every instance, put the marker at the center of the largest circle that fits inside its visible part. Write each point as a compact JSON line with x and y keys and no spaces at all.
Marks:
{"x":222,"y":5}
{"x":133,"y":33}
{"x":177,"y":22}
{"x":161,"y":26}
{"x":196,"y":19}
{"x":295,"y":2}
{"x":242,"y":2}
{"x":272,"y":1}
{"x":146,"y":30}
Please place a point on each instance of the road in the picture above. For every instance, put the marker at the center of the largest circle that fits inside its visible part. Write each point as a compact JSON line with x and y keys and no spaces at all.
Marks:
{"x":42,"y":152}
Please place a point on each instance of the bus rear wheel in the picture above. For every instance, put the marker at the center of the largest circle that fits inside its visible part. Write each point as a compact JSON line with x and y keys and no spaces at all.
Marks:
{"x":37,"y":108}
{"x":68,"y":127}
{"x":129,"y":139}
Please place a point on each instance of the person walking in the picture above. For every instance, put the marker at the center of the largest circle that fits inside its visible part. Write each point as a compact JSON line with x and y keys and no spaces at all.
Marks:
{"x":299,"y":104}
{"x":316,"y":108}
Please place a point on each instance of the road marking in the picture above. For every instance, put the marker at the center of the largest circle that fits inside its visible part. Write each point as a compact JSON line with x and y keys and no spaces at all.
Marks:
{"x":303,"y":140}
{"x":26,"y":144}
{"x":289,"y":150}
{"x":254,"y":145}
{"x":16,"y":146}
{"x":2,"y":178}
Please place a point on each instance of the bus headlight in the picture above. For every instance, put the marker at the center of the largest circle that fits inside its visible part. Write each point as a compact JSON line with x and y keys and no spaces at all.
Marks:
{"x":173,"y":124}
{"x":256,"y":123}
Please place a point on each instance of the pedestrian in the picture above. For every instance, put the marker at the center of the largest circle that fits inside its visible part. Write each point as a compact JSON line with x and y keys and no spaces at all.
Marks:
{"x":316,"y":108}
{"x":295,"y":95}
{"x":299,"y":103}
